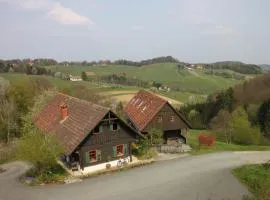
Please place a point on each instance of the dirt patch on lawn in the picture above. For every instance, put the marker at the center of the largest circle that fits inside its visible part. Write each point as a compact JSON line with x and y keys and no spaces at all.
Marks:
{"x":124,"y":98}
{"x":172,"y":101}
{"x":119,"y":92}
{"x":126,"y":95}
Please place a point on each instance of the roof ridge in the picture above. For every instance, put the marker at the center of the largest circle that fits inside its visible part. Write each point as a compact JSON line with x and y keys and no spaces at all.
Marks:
{"x":82,"y":100}
{"x":153,"y":94}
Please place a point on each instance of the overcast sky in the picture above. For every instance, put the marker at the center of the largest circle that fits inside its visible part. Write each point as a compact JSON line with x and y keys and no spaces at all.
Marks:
{"x":190,"y":30}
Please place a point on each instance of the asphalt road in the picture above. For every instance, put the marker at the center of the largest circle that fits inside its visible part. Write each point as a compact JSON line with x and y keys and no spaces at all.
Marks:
{"x":195,"y":177}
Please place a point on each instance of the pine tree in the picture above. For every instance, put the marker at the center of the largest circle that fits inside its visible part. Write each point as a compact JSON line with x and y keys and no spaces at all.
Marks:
{"x":264,"y":117}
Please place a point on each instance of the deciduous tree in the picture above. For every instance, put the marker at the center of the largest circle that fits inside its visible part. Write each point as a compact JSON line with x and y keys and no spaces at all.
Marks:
{"x":221,"y":125}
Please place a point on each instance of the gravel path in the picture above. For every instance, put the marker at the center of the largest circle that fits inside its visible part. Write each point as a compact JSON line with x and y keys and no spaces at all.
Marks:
{"x":195,"y":177}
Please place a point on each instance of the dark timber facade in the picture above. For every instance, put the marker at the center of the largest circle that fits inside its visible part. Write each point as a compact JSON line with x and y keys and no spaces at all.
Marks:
{"x":90,"y":134}
{"x":146,"y":111}
{"x":110,"y":140}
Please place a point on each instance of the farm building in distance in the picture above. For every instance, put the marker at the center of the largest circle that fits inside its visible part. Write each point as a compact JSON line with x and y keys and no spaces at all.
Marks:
{"x":91,"y":135}
{"x":75,"y":78}
{"x":146,"y":111}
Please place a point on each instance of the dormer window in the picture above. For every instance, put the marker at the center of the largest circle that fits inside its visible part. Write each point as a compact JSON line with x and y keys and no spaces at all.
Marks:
{"x":140,"y":104}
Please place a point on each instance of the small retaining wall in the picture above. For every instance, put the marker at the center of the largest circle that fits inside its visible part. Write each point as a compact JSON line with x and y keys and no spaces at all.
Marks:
{"x":102,"y":166}
{"x":164,"y":148}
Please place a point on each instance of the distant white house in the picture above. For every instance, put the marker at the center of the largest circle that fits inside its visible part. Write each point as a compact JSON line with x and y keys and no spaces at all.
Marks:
{"x":75,"y":78}
{"x":164,"y":89}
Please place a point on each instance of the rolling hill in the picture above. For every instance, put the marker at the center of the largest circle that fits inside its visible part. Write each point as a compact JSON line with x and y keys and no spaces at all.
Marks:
{"x":194,"y":81}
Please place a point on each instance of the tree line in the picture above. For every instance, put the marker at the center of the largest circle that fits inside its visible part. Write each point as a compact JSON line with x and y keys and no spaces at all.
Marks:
{"x":24,"y":68}
{"x":236,"y":67}
{"x":163,"y":59}
{"x":42,"y":62}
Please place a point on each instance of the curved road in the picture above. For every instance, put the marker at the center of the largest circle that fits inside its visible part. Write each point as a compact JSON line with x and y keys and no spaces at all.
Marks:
{"x":195,"y":177}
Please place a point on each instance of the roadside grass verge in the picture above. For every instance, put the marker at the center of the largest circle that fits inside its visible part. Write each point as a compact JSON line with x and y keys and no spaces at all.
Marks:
{"x":257,"y":179}
{"x":192,"y":140}
{"x":55,"y":174}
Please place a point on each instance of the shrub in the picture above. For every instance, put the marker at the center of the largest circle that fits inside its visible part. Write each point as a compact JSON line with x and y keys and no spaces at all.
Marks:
{"x":141,"y":147}
{"x":54,"y":174}
{"x":39,"y":149}
{"x":196,"y":119}
{"x":155,"y":136}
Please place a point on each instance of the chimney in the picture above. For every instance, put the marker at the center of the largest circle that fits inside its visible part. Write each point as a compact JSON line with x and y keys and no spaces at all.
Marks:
{"x":63,"y":111}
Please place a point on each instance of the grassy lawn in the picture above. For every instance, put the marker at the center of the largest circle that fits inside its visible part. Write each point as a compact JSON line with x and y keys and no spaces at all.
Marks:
{"x":166,"y":73}
{"x":256,"y":178}
{"x":219,"y":146}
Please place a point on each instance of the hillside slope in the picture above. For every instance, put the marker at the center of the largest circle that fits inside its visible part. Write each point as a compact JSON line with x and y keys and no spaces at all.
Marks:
{"x":236,"y":67}
{"x":169,"y":74}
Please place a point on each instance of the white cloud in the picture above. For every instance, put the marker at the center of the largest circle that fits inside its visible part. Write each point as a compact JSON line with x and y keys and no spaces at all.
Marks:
{"x":54,"y":10}
{"x":67,"y":16}
{"x":137,"y":27}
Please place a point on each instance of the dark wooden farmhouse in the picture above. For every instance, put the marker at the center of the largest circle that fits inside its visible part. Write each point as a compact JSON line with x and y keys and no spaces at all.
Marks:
{"x":90,"y":134}
{"x":147,"y":110}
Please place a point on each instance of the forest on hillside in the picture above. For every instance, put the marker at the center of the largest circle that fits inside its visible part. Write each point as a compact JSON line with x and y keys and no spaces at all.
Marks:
{"x":241,"y":113}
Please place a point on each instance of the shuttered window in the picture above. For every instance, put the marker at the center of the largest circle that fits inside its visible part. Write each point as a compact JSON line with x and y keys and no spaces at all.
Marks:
{"x":126,"y":149}
{"x":92,"y":156}
{"x":98,"y":153}
{"x":120,"y":150}
{"x":87,"y":158}
{"x":100,"y":128}
{"x":114,"y":152}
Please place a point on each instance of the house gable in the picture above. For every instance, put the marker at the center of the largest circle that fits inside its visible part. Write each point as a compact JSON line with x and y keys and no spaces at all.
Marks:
{"x":111,"y":130}
{"x":142,"y":108}
{"x":167,"y":119}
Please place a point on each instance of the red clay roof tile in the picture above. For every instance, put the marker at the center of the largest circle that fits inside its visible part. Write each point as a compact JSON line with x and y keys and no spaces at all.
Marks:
{"x":83,"y":116}
{"x":143,"y":107}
